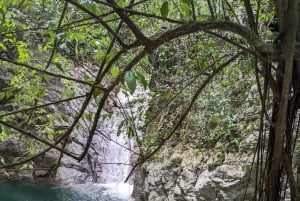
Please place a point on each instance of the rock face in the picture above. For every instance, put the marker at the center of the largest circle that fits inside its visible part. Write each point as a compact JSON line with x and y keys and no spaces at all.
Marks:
{"x":190,"y":176}
{"x":13,"y":148}
{"x":109,"y":157}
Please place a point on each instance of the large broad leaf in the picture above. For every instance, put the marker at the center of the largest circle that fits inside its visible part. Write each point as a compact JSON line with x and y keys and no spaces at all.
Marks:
{"x":164,"y":10}
{"x":141,"y":78}
{"x":130,"y":81}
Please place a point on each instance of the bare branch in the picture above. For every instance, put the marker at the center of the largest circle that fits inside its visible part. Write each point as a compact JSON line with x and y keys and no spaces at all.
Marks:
{"x":271,"y":51}
{"x":230,"y":41}
{"x":194,"y":78}
{"x":117,"y":143}
{"x":69,"y":25}
{"x":250,"y":15}
{"x":67,"y":133}
{"x":136,"y":31}
{"x":26,"y":160}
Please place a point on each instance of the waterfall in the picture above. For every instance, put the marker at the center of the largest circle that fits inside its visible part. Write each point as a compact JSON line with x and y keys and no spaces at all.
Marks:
{"x":117,"y":161}
{"x":119,"y":148}
{"x":109,"y":158}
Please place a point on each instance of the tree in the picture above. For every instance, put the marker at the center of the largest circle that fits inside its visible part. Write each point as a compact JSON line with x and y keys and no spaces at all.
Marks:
{"x":119,"y":35}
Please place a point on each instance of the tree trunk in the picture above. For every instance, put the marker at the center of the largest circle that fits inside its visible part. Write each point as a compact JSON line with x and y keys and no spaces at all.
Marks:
{"x":280,"y":139}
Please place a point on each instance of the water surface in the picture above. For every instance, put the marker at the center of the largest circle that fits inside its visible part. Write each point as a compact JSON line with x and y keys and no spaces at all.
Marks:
{"x":31,"y":191}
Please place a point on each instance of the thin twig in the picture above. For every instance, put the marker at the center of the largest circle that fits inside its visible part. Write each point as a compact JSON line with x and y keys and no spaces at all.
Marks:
{"x":56,"y":40}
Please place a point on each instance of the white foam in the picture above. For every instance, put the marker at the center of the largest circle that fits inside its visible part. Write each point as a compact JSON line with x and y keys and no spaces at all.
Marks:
{"x":120,"y":190}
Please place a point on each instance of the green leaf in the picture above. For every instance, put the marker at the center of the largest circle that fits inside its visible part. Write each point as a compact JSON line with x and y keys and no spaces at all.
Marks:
{"x":130,"y":81}
{"x":6,"y":131}
{"x":188,"y":2}
{"x":59,"y":66}
{"x":88,"y":79}
{"x":3,"y":47}
{"x":203,"y":17}
{"x":24,"y":166}
{"x":164,"y":10}
{"x":186,"y":8}
{"x":88,"y":117}
{"x":107,"y":116}
{"x":65,"y":117}
{"x":2,"y":160}
{"x":96,"y":92}
{"x":115,"y":71}
{"x":2,"y":95}
{"x":141,"y":78}
{"x":41,"y":93}
{"x":6,"y":173}
{"x":203,"y":63}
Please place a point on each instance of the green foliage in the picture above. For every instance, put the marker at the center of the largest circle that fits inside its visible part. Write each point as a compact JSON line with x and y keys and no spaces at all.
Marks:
{"x":219,"y":115}
{"x":5,"y":133}
{"x":56,"y":42}
{"x":115,"y":71}
{"x":224,"y":116}
{"x":130,"y":81}
{"x":141,"y":78}
{"x":26,"y":166}
{"x":164,"y":10}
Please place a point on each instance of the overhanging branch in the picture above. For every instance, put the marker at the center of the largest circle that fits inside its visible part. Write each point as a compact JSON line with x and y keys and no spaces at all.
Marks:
{"x":271,"y":52}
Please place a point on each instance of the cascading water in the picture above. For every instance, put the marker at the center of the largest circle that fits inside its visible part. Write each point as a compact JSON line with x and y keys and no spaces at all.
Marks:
{"x":117,"y":155}
{"x":115,"y":166}
{"x":120,"y":149}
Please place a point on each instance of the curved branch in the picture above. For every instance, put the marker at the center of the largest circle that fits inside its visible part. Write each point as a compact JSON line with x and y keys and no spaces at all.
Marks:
{"x":67,"y":133}
{"x":269,"y":51}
